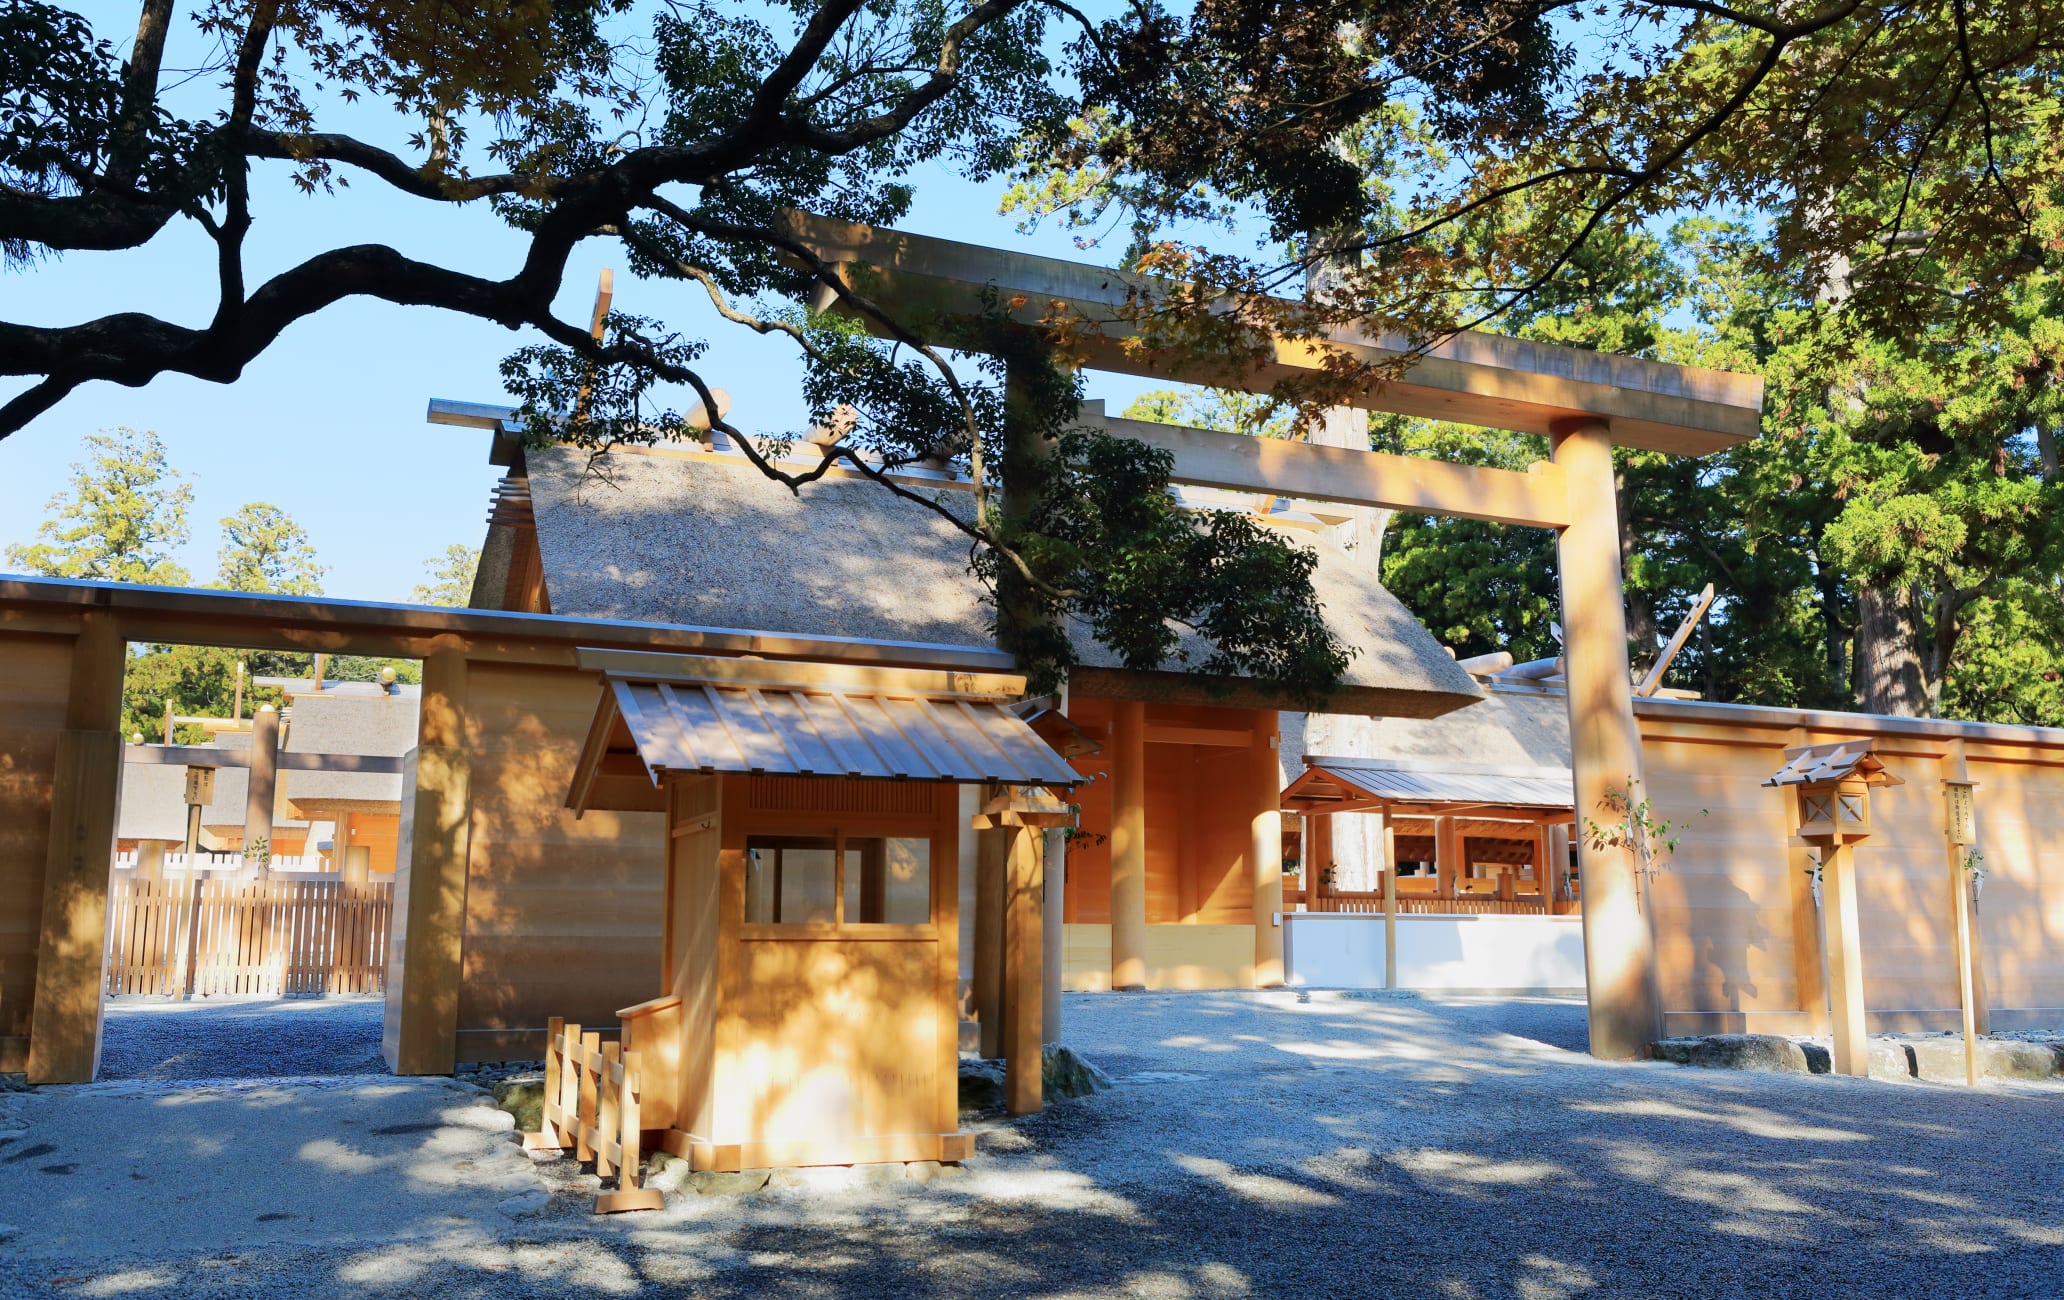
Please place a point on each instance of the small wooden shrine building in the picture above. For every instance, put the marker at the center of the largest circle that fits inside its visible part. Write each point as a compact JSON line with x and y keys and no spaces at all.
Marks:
{"x":1172,"y":876}
{"x":807,"y":1008}
{"x":1459,"y":837}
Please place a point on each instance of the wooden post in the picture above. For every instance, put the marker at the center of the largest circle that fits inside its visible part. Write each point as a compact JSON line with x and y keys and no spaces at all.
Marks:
{"x":357,"y":866}
{"x":1605,"y":744}
{"x":1809,"y":952}
{"x":1447,"y":857}
{"x":992,"y":868}
{"x":1052,"y":931}
{"x":1389,"y":902}
{"x":1318,"y":857}
{"x":1961,"y":818}
{"x":1558,"y":867}
{"x":259,"y":793}
{"x":1022,"y":948}
{"x":65,"y":1013}
{"x":1843,"y":939}
{"x":1265,"y":850}
{"x":193,"y":900}
{"x":1542,"y":876}
{"x":150,"y":860}
{"x":430,"y":909}
{"x":1128,"y":845}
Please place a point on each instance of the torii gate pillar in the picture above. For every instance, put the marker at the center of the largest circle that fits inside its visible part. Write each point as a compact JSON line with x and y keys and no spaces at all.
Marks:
{"x":1605,"y":745}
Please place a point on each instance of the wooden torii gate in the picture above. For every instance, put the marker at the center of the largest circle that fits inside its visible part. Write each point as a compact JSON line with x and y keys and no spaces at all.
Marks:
{"x":1586,"y":403}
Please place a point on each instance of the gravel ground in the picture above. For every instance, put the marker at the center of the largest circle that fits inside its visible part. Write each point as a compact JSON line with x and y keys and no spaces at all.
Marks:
{"x":1256,"y":1144}
{"x":215,"y":1038}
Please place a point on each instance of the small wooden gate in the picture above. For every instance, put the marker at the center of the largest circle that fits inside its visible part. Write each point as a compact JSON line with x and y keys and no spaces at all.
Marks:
{"x":592,"y":1092}
{"x":257,"y":938}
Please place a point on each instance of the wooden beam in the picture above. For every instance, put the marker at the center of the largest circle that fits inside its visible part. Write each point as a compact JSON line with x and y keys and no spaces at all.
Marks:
{"x":1843,"y":937}
{"x":1168,"y":733}
{"x":65,"y":1015}
{"x":992,"y":867}
{"x":1605,"y":749}
{"x":1537,"y":498}
{"x":1265,"y":852}
{"x":1653,"y":682}
{"x":1478,"y":379}
{"x":1128,"y":754}
{"x":1023,"y":946}
{"x":429,"y":926}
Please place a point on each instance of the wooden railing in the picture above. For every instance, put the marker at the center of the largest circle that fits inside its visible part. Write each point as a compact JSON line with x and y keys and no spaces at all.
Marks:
{"x":1371,"y":902}
{"x":260,"y":937}
{"x":591,"y":1106}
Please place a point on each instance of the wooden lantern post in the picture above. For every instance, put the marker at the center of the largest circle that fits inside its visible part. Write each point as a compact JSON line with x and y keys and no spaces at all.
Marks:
{"x":1960,"y":822}
{"x":1025,"y":815}
{"x":1832,"y":786}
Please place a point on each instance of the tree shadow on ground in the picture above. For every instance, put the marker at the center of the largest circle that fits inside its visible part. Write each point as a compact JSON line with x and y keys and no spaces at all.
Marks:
{"x":1261,"y":1146}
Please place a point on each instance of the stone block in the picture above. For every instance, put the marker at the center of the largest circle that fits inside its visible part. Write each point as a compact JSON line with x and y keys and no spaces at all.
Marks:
{"x":1819,"y":1060}
{"x":711,"y":1183}
{"x":1768,"y":1052}
{"x":981,"y":1084}
{"x":1675,"y":1050}
{"x":524,"y":1098}
{"x":1064,"y":1073}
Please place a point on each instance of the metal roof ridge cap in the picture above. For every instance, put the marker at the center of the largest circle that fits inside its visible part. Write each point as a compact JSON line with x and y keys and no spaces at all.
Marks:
{"x":1435,"y":767}
{"x":781,"y":674}
{"x":1781,"y":717}
{"x":457,"y":620}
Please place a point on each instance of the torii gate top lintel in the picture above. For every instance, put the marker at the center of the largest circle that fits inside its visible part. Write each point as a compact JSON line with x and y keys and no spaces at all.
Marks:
{"x":1487,"y":380}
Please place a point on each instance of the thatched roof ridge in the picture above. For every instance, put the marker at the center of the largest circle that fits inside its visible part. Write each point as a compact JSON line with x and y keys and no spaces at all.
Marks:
{"x":674,"y":538}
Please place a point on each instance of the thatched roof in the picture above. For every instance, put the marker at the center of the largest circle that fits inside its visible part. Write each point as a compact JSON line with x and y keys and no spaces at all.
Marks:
{"x":708,"y":539}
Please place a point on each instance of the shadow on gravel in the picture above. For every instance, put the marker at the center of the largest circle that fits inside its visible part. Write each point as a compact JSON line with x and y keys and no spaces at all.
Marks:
{"x":1347,"y":1149}
{"x":152,"y":1038}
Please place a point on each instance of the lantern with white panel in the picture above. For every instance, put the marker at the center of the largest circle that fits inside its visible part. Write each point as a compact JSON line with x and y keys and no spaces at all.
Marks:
{"x":1832,"y":784}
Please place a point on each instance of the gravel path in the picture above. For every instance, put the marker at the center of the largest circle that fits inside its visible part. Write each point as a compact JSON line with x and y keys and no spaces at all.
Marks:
{"x":151,"y":1038}
{"x":1257,"y":1144}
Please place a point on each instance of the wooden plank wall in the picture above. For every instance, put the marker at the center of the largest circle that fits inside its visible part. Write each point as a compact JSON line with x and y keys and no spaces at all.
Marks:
{"x":563,"y":916}
{"x":2021,"y":907}
{"x":258,"y":938}
{"x":1737,"y":934}
{"x":35,"y":678}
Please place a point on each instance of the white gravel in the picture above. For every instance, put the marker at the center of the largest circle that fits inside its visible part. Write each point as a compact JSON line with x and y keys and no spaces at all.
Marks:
{"x":241,"y":1038}
{"x":1257,"y":1144}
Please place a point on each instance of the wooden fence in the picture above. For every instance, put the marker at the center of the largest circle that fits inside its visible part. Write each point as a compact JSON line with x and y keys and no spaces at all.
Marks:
{"x":258,"y":937}
{"x":591,"y":1106}
{"x":1371,"y":901}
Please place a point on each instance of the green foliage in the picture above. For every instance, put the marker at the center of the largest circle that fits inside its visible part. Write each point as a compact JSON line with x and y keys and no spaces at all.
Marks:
{"x":263,"y":549}
{"x":450,"y":578}
{"x":119,"y":520}
{"x":1140,"y":570}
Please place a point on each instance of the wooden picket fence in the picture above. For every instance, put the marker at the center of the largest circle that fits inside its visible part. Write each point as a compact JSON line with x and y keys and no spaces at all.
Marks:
{"x":591,"y":1106}
{"x":258,"y":937}
{"x":1371,"y":902}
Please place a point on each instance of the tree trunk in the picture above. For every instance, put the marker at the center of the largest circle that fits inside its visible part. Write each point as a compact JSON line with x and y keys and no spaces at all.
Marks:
{"x":1835,"y":634}
{"x":1889,"y":677}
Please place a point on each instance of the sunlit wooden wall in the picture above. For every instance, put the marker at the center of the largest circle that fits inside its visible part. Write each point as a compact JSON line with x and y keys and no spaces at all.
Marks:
{"x":1738,"y":936}
{"x":563,"y":916}
{"x":35,"y":674}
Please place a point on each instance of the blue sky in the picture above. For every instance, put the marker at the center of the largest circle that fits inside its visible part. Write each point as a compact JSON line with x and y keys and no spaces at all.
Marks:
{"x":328,"y":424}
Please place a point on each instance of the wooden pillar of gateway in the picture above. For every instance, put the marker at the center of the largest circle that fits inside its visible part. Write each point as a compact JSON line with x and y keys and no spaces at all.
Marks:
{"x":426,"y":944}
{"x":1605,"y":744}
{"x":1128,"y":845}
{"x":259,"y":793}
{"x":1265,"y":850}
{"x":65,"y":1016}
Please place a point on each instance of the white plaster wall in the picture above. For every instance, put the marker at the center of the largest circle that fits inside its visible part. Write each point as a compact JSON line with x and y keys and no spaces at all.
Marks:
{"x":1437,"y":953}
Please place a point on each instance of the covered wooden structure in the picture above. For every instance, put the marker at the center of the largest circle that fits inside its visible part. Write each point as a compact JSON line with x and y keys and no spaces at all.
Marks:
{"x":1452,"y":831}
{"x":808,"y":986}
{"x":1585,"y":402}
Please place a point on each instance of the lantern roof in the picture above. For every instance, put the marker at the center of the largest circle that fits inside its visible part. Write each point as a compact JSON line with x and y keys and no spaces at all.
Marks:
{"x":1841,"y":760}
